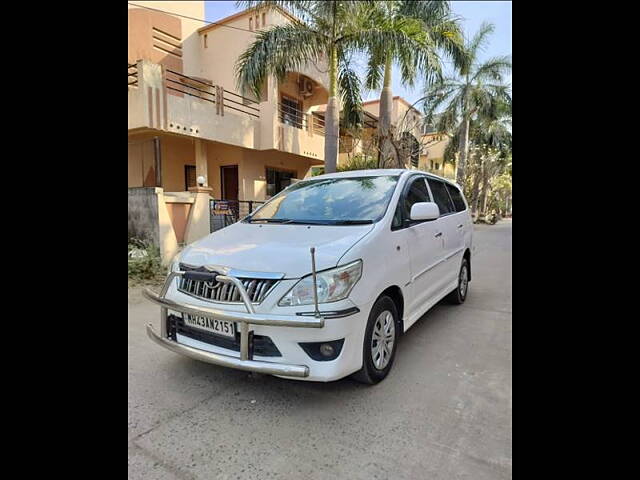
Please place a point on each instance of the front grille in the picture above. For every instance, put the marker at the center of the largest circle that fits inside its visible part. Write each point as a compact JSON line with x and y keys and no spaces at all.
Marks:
{"x":257,"y":288}
{"x":260,"y":345}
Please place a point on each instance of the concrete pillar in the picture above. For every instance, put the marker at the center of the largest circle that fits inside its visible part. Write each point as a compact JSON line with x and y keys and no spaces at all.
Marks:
{"x":198,"y":223}
{"x":201,"y":160}
{"x":168,"y":243}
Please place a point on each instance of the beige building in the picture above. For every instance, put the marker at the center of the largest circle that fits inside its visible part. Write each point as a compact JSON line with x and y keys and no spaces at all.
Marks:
{"x":432,"y":145}
{"x":432,"y":155}
{"x":188,"y":120}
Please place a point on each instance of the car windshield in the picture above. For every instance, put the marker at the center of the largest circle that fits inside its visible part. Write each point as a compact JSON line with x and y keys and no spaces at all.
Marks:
{"x":330,"y":201}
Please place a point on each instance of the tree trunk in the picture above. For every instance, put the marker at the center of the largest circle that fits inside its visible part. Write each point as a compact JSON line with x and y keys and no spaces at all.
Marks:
{"x":384,"y":115}
{"x":475,"y":189}
{"x":484,"y":190}
{"x":464,"y":152}
{"x":332,"y":117}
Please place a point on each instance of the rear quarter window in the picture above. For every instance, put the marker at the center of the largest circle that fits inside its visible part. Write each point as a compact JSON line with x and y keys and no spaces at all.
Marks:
{"x":458,"y":199}
{"x":441,"y":197}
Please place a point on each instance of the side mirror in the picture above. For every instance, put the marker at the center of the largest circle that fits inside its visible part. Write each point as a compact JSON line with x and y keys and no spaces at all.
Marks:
{"x":424,"y":211}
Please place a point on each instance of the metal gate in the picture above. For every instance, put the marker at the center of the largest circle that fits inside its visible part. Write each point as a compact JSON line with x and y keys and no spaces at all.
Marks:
{"x":226,"y":212}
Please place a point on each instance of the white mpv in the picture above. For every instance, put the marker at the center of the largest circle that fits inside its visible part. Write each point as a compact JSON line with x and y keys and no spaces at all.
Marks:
{"x":321,"y":280}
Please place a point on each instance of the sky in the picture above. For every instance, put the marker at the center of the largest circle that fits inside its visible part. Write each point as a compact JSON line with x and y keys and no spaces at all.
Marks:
{"x":472,"y":13}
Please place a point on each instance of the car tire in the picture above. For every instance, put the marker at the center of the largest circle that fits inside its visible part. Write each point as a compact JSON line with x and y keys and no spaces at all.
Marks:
{"x":459,"y":295}
{"x":383,"y":324}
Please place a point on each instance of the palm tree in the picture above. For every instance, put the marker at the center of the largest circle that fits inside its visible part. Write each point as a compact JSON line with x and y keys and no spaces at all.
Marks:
{"x":489,"y":148}
{"x":478,"y":89}
{"x":333,"y":29}
{"x":441,"y":32}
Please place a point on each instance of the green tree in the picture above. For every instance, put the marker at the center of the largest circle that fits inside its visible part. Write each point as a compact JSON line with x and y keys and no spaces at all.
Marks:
{"x":476,"y":91}
{"x":440,"y":33}
{"x":493,"y":134}
{"x":327,"y":30}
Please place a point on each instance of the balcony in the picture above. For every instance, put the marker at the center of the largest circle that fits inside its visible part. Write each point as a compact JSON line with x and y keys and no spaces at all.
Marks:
{"x":166,"y":100}
{"x":300,"y":133}
{"x":163,"y":99}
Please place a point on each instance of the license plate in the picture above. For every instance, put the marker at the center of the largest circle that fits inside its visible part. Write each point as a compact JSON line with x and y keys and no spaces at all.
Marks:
{"x":212,"y":325}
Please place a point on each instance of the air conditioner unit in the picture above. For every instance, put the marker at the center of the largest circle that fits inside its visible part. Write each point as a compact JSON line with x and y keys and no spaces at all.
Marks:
{"x":306,"y":87}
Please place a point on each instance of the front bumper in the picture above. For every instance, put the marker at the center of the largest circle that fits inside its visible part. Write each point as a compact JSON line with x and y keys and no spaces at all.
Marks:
{"x":244,"y":320}
{"x":227,"y":361}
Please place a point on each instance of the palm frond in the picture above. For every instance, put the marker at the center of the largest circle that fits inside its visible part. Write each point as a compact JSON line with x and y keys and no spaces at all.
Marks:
{"x":277,"y":50}
{"x":374,"y":71}
{"x":350,"y":94}
{"x":477,"y":44}
{"x":492,"y":69}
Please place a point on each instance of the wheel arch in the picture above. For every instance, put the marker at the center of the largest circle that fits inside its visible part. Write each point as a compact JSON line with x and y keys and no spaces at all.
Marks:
{"x":395,"y":293}
{"x":467,"y":255}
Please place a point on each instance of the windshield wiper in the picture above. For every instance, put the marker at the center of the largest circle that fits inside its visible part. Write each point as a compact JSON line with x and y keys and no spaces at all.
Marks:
{"x":290,"y":221}
{"x":349,"y":222}
{"x":269,"y":220}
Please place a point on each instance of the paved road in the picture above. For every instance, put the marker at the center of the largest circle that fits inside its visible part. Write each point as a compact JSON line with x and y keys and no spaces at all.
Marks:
{"x":443,"y":413}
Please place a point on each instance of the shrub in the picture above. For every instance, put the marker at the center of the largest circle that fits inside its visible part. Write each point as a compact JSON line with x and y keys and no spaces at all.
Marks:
{"x":144,"y":261}
{"x":358,"y":162}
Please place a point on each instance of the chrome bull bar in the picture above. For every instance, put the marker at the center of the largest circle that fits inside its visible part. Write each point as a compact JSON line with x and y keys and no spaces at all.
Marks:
{"x":244,"y":319}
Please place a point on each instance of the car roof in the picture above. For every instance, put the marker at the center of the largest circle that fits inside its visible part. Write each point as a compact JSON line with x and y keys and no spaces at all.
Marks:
{"x":379,"y":172}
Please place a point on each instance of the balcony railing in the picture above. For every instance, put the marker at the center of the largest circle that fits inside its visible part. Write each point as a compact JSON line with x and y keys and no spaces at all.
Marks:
{"x":183,"y":84}
{"x":215,"y":94}
{"x":297,"y":118}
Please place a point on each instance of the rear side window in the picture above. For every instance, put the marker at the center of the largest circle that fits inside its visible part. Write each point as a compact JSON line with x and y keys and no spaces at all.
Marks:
{"x":456,"y":196}
{"x":441,"y":197}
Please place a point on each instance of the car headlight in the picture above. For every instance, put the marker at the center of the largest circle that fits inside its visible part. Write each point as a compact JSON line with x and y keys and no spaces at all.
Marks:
{"x":333,"y":285}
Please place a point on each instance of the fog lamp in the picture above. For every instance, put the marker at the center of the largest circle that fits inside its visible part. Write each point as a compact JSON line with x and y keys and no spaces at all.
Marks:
{"x":327,"y":350}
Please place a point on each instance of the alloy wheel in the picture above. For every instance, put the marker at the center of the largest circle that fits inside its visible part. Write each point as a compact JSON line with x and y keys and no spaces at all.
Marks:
{"x":382,"y":339}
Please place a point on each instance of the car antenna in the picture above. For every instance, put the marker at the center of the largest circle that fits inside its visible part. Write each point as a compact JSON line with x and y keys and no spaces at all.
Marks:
{"x":315,"y":285}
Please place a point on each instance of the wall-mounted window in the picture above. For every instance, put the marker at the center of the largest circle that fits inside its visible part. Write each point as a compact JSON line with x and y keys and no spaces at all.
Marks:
{"x":437,"y":166}
{"x":431,"y":164}
{"x":291,"y":111}
{"x":205,"y":40}
{"x":189,"y":176}
{"x":278,"y":180}
{"x":264,"y":19}
{"x":251,"y":23}
{"x":257,"y":22}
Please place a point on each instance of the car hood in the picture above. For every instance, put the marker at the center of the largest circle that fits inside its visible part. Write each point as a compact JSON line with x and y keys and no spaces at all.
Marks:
{"x":275,"y":248}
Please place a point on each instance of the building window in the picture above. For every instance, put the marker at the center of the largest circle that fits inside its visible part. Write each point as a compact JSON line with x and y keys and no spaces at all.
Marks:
{"x":189,"y":176}
{"x":257,"y":22}
{"x":264,"y":19}
{"x":278,"y":180}
{"x":205,"y":40}
{"x":437,"y":166}
{"x":291,"y":112}
{"x":251,"y":23}
{"x":431,"y":164}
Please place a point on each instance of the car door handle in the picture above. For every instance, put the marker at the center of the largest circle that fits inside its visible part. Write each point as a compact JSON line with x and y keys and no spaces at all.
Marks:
{"x":439,"y":234}
{"x":460,"y":226}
